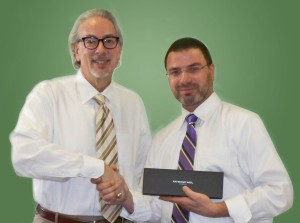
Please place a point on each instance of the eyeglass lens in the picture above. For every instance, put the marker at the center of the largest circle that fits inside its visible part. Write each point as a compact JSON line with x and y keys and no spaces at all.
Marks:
{"x":93,"y":42}
{"x":191,"y":70}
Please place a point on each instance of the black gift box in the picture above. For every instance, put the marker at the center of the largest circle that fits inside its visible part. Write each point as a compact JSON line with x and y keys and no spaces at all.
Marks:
{"x":165,"y":182}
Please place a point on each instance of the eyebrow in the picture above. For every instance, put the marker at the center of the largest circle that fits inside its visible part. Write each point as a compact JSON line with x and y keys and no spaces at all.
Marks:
{"x":191,"y":65}
{"x":105,"y":36}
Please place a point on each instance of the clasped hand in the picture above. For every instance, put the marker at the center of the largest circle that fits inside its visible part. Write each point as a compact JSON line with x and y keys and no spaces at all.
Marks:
{"x":111,"y":186}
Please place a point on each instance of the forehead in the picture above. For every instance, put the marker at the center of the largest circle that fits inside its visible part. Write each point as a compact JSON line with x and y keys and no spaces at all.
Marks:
{"x":96,"y":26}
{"x":185,"y":58}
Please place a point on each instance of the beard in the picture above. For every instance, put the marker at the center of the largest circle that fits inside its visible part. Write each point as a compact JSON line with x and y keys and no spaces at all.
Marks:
{"x":102,"y":63}
{"x":100,"y":75}
{"x":193,"y":99}
{"x":196,"y":98}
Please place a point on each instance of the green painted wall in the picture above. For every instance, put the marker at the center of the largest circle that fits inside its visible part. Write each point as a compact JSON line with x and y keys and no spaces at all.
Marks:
{"x":254,"y":44}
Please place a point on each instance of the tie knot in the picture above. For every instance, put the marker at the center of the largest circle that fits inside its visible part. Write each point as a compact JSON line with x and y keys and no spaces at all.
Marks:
{"x":191,"y":119}
{"x":100,"y":99}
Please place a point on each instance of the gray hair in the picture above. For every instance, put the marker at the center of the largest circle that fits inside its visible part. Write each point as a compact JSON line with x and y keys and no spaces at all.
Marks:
{"x":74,"y":35}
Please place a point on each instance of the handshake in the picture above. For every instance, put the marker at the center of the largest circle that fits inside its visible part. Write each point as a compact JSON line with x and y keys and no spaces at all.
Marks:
{"x":113,"y":188}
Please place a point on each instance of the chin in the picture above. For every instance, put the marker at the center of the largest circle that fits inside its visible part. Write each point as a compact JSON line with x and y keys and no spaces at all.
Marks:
{"x":100,"y":75}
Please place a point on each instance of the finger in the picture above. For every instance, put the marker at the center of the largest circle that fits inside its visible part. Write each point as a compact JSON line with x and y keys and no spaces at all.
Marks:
{"x":105,"y":185}
{"x":169,"y":199}
{"x":115,"y":197}
{"x":120,"y":183}
{"x":96,"y":180}
{"x":108,"y":190}
{"x":110,"y":197}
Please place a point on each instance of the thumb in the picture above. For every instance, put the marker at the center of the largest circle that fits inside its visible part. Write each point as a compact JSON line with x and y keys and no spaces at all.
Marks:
{"x":114,"y":167}
{"x":96,"y":180}
{"x":193,"y":195}
{"x":188,"y":191}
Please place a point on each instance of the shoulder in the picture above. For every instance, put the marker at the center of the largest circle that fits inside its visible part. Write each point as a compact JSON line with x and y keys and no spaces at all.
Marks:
{"x":170,"y":129}
{"x":122,"y":89}
{"x":53,"y":87}
{"x":125,"y":94}
{"x":58,"y":82}
{"x":237,"y":112}
{"x":238,"y":118}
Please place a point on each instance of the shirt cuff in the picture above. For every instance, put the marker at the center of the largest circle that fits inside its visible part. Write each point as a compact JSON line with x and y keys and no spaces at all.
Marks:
{"x":238,"y":209}
{"x":91,"y":168}
{"x":142,"y":209}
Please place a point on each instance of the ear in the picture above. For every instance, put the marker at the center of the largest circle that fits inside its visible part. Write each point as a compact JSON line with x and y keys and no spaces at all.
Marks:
{"x":212,"y":71}
{"x":76,"y":51}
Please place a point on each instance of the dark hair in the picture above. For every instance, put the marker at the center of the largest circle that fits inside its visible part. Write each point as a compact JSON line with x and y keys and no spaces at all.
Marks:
{"x":188,"y":43}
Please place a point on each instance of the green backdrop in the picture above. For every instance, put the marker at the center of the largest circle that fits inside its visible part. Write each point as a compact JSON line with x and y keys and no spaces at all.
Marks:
{"x":254,"y":44}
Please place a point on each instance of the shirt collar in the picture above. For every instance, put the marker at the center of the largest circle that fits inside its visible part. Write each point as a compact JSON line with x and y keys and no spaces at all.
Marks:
{"x":87,"y":91}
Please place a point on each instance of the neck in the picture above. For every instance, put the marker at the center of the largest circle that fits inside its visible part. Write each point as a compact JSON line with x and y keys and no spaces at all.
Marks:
{"x":100,"y":84}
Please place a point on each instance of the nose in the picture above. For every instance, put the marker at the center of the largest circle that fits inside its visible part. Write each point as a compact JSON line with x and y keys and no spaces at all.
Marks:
{"x":185,"y":77}
{"x":100,"y":48}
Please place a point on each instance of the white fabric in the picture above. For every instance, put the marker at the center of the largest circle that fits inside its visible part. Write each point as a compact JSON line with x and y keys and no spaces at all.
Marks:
{"x":54,"y":142}
{"x":235,"y":141}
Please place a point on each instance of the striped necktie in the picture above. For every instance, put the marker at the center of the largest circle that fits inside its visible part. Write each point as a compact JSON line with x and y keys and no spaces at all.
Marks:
{"x":106,"y":146}
{"x":186,"y":162}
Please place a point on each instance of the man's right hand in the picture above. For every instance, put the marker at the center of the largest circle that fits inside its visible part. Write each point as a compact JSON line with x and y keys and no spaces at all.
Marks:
{"x":111,"y":185}
{"x":113,"y":188}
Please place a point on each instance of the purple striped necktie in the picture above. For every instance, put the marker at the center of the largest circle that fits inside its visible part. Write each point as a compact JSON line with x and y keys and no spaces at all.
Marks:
{"x":186,"y":162}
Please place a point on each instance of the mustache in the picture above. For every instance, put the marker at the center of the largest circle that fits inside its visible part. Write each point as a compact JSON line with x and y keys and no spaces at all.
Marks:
{"x":100,"y":57}
{"x":188,"y":85}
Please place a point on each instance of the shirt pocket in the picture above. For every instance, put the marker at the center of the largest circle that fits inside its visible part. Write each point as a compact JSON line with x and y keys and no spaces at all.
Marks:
{"x":217,"y":158}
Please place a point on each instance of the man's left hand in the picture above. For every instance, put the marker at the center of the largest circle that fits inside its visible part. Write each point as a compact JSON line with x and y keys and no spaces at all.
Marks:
{"x":199,"y":203}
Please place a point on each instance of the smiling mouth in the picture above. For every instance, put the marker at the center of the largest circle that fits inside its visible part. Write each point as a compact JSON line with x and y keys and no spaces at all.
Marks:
{"x":101,"y":62}
{"x":186,"y":89}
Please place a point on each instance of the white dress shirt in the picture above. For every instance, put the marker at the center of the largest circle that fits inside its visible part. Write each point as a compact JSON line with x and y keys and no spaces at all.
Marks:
{"x":234,"y":141}
{"x":54,"y":142}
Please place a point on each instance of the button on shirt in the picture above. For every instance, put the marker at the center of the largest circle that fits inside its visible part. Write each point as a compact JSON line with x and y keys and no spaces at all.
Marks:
{"x":54,"y":142}
{"x":234,"y":141}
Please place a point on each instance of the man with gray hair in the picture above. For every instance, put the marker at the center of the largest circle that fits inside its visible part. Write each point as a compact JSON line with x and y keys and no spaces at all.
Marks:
{"x":78,"y":131}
